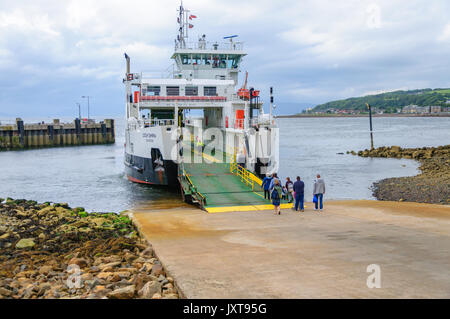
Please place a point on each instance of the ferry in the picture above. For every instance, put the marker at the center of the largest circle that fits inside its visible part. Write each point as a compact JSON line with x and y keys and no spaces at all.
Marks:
{"x":204,"y":79}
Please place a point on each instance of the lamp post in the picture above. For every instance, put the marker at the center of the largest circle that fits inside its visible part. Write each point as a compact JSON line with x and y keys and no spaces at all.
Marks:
{"x":79,"y":110}
{"x":84,"y":97}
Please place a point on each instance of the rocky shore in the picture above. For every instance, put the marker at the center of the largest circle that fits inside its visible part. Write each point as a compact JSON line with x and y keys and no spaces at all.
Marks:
{"x":431,"y":186}
{"x":53,"y":251}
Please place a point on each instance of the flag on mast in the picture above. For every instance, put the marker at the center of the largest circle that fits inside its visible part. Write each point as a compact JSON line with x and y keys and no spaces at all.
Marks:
{"x":192,"y":17}
{"x":191,"y":26}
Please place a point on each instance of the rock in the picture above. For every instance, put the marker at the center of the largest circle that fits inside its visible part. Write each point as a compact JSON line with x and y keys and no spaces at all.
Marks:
{"x":123,"y":274}
{"x":130,"y":257}
{"x":109,"y":265}
{"x":168,"y":286}
{"x":396,"y":149}
{"x":44,"y":287}
{"x":122,"y":293}
{"x":147,"y":252}
{"x":5,"y":292}
{"x":149,"y":289}
{"x":44,"y":270}
{"x":81,"y":262}
{"x":147,"y":267}
{"x":5,"y":236}
{"x":157,"y":270}
{"x":157,"y":296}
{"x":105,"y":275}
{"x":141,"y":279}
{"x":170,"y":296}
{"x":87,"y":276}
{"x":99,"y":221}
{"x":25,"y":243}
{"x":99,"y":289}
{"x":129,"y":269}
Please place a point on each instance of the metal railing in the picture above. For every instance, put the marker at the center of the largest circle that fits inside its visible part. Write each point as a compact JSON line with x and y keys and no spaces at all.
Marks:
{"x":150,"y":123}
{"x":199,"y":197}
{"x":246,"y":176}
{"x":199,"y":45}
{"x":157,"y":122}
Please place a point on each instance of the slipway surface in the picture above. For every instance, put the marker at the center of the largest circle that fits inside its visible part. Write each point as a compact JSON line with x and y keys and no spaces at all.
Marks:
{"x":257,"y":254}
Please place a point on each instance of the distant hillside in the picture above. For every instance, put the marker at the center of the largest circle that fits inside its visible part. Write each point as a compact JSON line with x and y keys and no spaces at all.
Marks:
{"x":391,"y":101}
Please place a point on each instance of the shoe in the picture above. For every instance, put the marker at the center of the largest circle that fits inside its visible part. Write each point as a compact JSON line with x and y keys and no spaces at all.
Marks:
{"x":302,"y":210}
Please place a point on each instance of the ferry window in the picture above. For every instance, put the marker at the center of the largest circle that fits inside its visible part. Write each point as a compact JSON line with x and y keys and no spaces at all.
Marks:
{"x":236,"y":62}
{"x":153,"y":90}
{"x":197,"y":59}
{"x":215,"y":61}
{"x":191,"y":90}
{"x":184,"y":59}
{"x":210,"y":91}
{"x":173,"y":91}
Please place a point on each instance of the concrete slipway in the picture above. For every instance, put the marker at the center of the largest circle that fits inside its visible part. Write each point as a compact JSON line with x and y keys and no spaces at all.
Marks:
{"x":258,"y":254}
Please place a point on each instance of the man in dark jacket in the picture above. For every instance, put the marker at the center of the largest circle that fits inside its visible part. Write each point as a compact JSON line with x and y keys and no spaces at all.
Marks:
{"x":265,"y":184}
{"x":299,"y":189}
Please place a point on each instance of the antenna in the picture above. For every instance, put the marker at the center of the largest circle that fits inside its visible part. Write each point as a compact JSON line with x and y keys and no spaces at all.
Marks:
{"x":231,"y":39}
{"x":184,"y":25}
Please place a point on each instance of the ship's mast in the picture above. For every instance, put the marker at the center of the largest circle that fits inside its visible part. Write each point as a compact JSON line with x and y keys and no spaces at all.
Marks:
{"x":184,"y":25}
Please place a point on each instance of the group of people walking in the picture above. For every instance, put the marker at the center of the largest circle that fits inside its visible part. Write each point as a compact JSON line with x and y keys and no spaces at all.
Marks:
{"x":292,"y":191}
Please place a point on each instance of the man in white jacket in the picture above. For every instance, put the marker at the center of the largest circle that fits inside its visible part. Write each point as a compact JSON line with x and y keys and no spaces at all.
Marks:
{"x":319,"y":190}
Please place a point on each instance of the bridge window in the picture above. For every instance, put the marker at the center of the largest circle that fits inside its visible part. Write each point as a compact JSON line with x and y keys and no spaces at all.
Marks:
{"x":153,"y":91}
{"x":184,"y":59}
{"x":210,"y":91}
{"x":191,"y":90}
{"x":173,"y":91}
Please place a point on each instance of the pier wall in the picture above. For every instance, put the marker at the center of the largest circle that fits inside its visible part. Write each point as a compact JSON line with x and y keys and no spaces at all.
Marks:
{"x":26,"y":136}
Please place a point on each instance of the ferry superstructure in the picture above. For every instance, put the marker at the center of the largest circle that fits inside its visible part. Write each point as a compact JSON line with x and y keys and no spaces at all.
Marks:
{"x":205,"y":77}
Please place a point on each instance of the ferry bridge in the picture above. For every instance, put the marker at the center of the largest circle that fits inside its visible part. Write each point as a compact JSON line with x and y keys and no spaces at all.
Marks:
{"x":217,"y":186}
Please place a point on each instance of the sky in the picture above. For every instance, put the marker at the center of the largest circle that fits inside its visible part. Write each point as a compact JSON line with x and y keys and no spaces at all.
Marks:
{"x":310,"y":51}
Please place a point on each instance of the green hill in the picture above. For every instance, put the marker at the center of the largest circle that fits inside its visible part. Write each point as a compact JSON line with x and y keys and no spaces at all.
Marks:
{"x":391,"y":101}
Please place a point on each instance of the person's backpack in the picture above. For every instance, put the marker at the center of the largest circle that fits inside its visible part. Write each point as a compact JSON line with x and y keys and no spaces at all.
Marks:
{"x":290,"y":187}
{"x":275,"y":194}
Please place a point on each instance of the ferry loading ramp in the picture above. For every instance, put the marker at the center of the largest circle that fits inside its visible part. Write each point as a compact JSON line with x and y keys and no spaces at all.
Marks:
{"x":222,"y":187}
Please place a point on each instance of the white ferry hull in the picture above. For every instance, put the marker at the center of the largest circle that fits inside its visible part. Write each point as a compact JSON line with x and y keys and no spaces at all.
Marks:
{"x":140,"y":170}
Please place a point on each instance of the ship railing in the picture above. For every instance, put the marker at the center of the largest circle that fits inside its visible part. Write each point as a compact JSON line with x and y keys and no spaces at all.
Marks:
{"x":191,"y":188}
{"x":235,"y":97}
{"x":201,"y":45}
{"x":157,"y":122}
{"x":245,"y":175}
{"x":238,"y":124}
{"x":150,"y":123}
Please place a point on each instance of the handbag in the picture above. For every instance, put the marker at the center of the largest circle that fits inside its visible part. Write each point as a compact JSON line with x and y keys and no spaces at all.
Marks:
{"x":315,"y":199}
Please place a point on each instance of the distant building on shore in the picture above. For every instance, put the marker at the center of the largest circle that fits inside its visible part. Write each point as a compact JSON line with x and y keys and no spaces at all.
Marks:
{"x":435,"y":109}
{"x":413,"y":109}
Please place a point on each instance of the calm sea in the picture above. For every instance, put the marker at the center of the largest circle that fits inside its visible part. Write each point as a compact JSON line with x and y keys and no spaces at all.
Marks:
{"x":92,"y":176}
